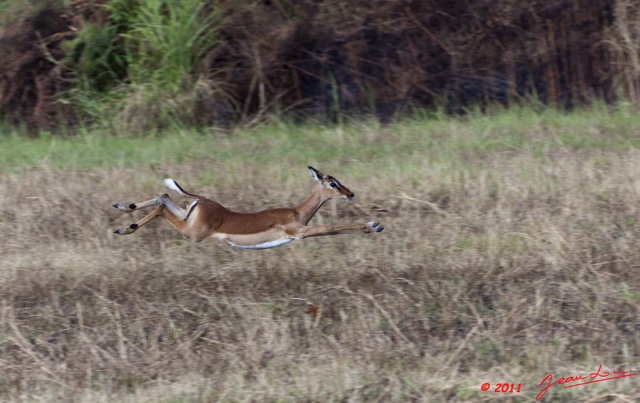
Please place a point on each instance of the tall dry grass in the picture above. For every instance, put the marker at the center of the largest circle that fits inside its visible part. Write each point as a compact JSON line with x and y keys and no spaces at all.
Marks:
{"x":497,"y":267}
{"x":622,"y":42}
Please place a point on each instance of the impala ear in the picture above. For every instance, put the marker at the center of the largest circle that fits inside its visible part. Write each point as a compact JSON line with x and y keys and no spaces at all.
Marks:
{"x":315,"y":174}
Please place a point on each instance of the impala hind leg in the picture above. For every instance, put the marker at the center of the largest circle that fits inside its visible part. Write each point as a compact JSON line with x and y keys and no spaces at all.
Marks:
{"x":163,"y":200}
{"x":145,"y":220}
{"x":131,"y":207}
{"x":174,"y":213}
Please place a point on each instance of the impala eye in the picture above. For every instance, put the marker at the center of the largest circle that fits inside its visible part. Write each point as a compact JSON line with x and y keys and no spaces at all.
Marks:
{"x":333,"y":185}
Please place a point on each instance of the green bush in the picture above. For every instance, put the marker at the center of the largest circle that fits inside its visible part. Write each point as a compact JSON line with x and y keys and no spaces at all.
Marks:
{"x":141,"y":69}
{"x":166,"y":41}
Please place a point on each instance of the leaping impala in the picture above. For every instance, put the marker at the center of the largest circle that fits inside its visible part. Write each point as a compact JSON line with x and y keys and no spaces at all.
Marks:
{"x":206,"y":218}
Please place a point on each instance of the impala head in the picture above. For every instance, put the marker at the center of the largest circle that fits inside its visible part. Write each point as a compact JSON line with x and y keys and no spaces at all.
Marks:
{"x":331,"y":185}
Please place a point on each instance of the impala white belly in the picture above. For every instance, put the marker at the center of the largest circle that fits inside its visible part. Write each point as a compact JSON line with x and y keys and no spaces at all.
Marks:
{"x":264,"y":245}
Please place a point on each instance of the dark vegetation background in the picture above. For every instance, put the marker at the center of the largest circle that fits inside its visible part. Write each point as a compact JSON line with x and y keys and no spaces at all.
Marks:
{"x":82,"y":61}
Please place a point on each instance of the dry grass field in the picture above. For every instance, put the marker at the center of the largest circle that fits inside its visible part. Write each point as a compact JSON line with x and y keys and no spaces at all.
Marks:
{"x":511,"y":251}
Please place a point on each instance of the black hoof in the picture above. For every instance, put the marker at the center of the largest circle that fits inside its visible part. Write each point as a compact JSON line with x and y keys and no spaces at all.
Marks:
{"x":116,"y":205}
{"x":375,"y":226}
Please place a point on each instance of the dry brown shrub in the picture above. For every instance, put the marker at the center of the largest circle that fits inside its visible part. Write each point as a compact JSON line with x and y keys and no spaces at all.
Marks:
{"x":332,"y":58}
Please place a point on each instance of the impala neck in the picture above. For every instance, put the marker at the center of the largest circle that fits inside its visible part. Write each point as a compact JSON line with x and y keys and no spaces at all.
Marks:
{"x":310,"y":206}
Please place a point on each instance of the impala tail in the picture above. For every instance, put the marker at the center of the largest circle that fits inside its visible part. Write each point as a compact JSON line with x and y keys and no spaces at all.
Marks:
{"x":173,"y":185}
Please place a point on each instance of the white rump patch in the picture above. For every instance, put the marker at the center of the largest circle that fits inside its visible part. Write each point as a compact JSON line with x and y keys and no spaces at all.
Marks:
{"x":265,"y":245}
{"x":171,"y":184}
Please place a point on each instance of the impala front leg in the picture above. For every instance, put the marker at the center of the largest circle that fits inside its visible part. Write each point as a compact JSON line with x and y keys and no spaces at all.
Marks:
{"x":323,"y":230}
